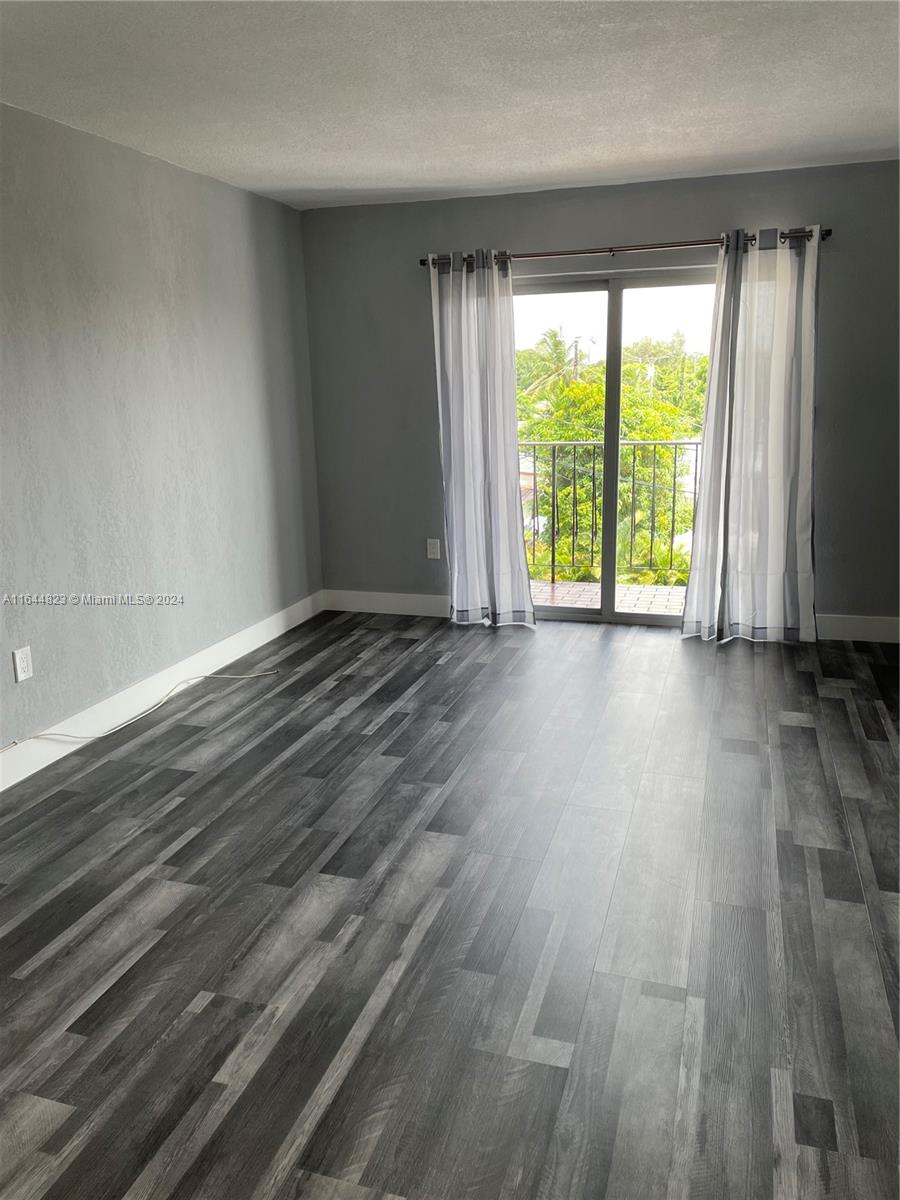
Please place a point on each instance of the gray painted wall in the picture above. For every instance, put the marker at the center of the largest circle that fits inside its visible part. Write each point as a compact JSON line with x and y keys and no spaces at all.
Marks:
{"x":156,"y":424}
{"x":373,"y":371}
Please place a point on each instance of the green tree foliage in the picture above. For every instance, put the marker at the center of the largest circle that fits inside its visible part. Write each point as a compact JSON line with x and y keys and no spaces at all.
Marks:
{"x":561,"y":398}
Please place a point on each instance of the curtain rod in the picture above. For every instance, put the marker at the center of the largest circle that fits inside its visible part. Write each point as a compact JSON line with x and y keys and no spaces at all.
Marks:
{"x":504,"y":256}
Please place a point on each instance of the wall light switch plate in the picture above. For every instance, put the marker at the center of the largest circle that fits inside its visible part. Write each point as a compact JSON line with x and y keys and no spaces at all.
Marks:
{"x":22,"y":665}
{"x":433,"y":548}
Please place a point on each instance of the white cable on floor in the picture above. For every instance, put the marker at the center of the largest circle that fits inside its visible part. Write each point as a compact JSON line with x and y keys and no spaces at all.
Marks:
{"x":90,"y":737}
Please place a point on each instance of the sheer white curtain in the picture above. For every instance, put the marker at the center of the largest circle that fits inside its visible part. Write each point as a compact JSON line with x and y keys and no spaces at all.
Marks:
{"x":752,"y":567}
{"x":474,"y":342}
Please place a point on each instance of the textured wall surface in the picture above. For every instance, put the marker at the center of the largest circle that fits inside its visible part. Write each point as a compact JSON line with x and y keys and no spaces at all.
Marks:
{"x":156,"y":424}
{"x":376,"y":411}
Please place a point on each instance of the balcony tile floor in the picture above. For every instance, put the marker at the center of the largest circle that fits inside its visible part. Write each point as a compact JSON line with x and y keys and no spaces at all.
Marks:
{"x":630,"y":598}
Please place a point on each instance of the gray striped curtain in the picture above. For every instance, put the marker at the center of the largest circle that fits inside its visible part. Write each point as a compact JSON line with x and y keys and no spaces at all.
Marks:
{"x":474,"y":345}
{"x":752,"y":565}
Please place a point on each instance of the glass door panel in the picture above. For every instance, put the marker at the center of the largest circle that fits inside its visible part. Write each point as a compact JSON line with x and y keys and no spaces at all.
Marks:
{"x":665,"y":347}
{"x":561,"y":390}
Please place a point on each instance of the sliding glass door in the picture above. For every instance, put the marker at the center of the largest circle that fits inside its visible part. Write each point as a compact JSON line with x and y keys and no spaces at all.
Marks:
{"x":561,"y":377}
{"x":665,"y":348}
{"x":611,"y":385}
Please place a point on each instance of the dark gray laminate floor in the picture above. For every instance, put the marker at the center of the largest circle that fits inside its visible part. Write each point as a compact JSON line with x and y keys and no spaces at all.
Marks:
{"x":449,"y":914}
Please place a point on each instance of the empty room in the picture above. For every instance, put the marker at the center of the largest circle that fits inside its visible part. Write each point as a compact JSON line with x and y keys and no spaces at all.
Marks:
{"x":449,"y":600}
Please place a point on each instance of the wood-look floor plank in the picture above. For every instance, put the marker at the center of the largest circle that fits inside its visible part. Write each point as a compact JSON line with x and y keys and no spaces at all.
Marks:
{"x":486,"y":775}
{"x":399,"y":892}
{"x":163,"y":1085}
{"x":818,"y":1051}
{"x":611,"y":772}
{"x":738,"y":851}
{"x":734,"y":1131}
{"x":377,"y":830}
{"x":871,"y":1047}
{"x":822,"y":1175}
{"x":443,"y":913}
{"x":575,"y":883}
{"x":237,"y":1155}
{"x":411,"y":1055}
{"x":63,"y":984}
{"x":307,"y":1186}
{"x":26,"y":1122}
{"x":580,"y":1153}
{"x":816,"y":812}
{"x":642,"y":1151}
{"x":681,"y":732}
{"x":687,"y":1100}
{"x":647,"y":934}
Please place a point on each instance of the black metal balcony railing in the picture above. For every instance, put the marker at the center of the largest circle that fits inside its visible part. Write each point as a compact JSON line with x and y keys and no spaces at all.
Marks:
{"x":562,"y":506}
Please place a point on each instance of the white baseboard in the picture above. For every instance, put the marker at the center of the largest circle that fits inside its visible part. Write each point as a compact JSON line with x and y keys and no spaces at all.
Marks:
{"x":31,"y":755}
{"x":404,"y":604}
{"x":831,"y":626}
{"x":846,"y":627}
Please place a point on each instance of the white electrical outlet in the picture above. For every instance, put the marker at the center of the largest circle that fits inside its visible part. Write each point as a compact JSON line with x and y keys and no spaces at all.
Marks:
{"x":22,"y":665}
{"x":432,"y":547}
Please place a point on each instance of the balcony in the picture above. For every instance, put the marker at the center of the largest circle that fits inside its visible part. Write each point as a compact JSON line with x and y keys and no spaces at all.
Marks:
{"x":562,"y":505}
{"x":630,"y":599}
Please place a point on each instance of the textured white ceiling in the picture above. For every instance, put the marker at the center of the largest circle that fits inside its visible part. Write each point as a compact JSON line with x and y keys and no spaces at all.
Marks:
{"x":330,"y":103}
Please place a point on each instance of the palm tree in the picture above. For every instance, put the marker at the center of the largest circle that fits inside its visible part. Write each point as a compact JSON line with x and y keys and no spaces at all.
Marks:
{"x":553,"y":360}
